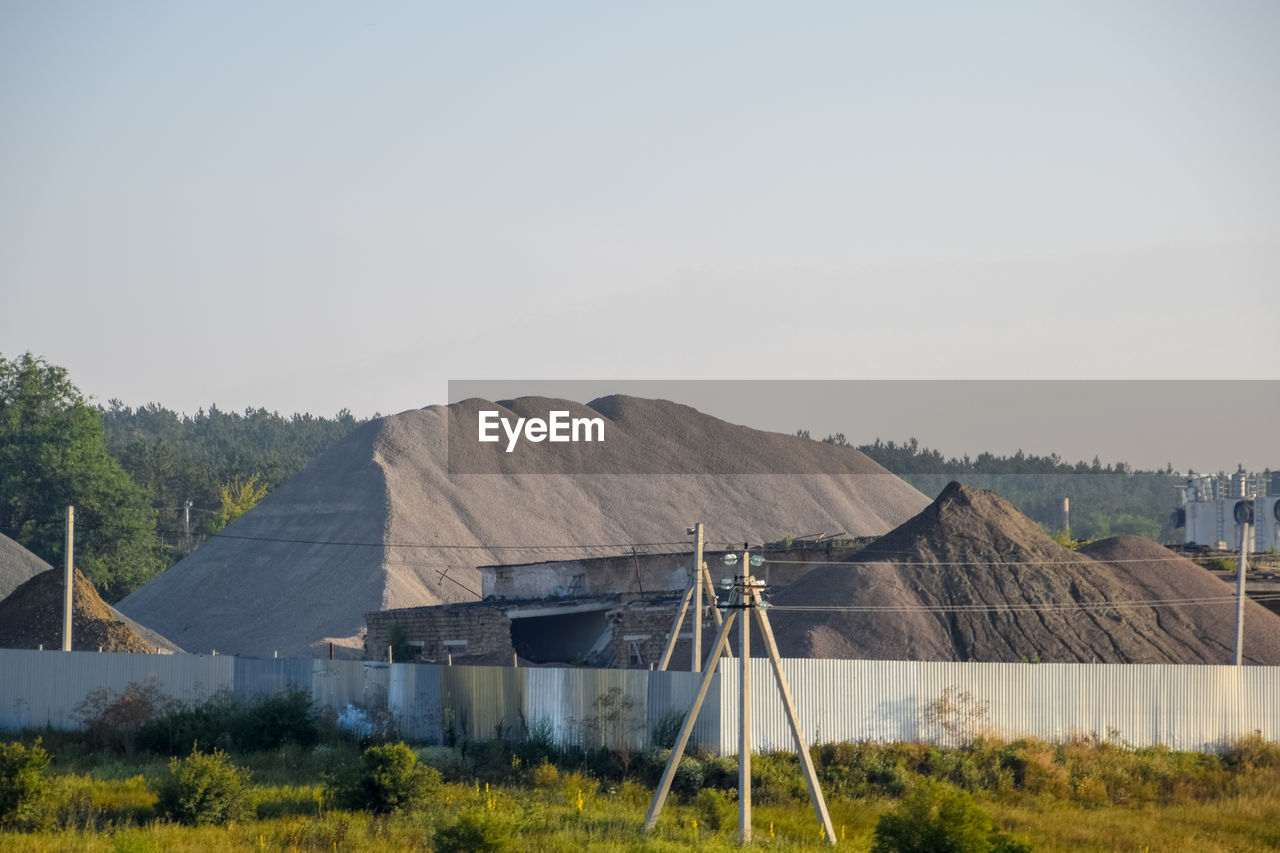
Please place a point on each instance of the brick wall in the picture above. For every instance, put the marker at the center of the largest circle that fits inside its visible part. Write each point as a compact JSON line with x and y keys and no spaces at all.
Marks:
{"x":465,"y":630}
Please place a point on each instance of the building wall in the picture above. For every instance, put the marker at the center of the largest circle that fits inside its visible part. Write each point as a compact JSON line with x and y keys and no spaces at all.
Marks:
{"x":466,"y":630}
{"x":600,"y":576}
{"x":641,"y":574}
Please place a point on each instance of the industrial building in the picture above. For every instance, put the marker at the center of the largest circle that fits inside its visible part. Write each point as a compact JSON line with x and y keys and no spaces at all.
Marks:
{"x":1208,"y":513}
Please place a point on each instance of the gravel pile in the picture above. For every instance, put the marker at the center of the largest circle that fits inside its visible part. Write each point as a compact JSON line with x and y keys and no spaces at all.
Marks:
{"x":971,"y":578}
{"x":379,"y":521}
{"x":17,"y":565}
{"x":31,"y":616}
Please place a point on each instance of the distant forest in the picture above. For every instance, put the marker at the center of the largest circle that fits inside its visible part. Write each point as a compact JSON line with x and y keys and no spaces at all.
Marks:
{"x":223,"y":462}
{"x":1105,"y":500}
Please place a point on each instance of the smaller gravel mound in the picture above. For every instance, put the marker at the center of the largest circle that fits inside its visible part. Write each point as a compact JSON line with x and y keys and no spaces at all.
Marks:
{"x":31,"y":616}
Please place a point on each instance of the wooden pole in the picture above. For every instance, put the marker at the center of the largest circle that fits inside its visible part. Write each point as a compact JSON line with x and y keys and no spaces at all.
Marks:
{"x":793,"y":719}
{"x":682,"y":740}
{"x":744,"y":708}
{"x":695,"y":664}
{"x":67,"y":599}
{"x":675,"y":626}
{"x":715,"y":610}
{"x":1244,"y":562}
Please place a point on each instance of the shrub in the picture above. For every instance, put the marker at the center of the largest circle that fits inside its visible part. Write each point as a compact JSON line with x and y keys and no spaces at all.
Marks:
{"x":938,"y":818}
{"x":714,"y":808}
{"x":667,"y":729}
{"x":544,"y":775}
{"x":688,"y":776}
{"x":473,"y":832}
{"x":113,"y":720}
{"x":776,"y":778}
{"x":1250,"y":753}
{"x":204,"y":789}
{"x":272,"y":721}
{"x":262,"y":724}
{"x":26,"y":795}
{"x":388,"y":779}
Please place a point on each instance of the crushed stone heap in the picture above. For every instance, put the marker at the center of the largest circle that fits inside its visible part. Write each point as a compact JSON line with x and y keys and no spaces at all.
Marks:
{"x":379,"y":521}
{"x":31,"y":616}
{"x":17,"y":565}
{"x":971,"y":578}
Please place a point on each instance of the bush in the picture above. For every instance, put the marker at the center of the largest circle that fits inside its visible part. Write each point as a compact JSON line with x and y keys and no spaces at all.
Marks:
{"x":26,"y":795}
{"x":113,"y":720}
{"x":938,"y":818}
{"x":388,"y":779}
{"x":262,"y":724}
{"x":667,"y":729}
{"x":204,"y":789}
{"x":688,"y":776}
{"x":473,"y":832}
{"x":715,"y":808}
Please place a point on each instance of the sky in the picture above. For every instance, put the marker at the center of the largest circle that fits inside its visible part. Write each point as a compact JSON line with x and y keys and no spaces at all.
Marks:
{"x":317,"y":206}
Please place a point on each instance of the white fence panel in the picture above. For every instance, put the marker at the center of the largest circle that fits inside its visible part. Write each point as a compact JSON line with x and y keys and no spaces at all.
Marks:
{"x":1184,"y":707}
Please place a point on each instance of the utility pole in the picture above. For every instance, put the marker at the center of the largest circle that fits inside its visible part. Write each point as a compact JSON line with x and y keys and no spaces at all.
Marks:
{"x":695,"y":664}
{"x":744,"y":706}
{"x":67,"y":601}
{"x":701,"y":579}
{"x":744,"y":599}
{"x":186,"y":527}
{"x":1244,"y":517}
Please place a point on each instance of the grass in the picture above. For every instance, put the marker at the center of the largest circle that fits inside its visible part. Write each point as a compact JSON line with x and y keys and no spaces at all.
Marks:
{"x":1085,"y":795}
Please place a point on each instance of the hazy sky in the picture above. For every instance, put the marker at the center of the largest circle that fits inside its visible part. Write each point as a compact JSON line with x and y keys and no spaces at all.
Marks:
{"x":310,"y":206}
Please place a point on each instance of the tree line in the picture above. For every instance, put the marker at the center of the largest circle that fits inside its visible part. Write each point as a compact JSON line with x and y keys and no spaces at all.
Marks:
{"x":131,"y":471}
{"x":1105,"y":500}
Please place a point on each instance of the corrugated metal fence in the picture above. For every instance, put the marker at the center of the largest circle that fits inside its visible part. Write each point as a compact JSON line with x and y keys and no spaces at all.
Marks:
{"x":1184,"y":707}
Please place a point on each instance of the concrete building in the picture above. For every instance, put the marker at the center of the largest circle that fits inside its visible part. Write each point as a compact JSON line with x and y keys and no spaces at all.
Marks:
{"x":612,"y":611}
{"x":1208,"y":510}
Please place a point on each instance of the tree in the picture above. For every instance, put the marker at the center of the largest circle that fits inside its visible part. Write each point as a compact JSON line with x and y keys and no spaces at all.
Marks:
{"x":238,"y":497}
{"x":52,"y":455}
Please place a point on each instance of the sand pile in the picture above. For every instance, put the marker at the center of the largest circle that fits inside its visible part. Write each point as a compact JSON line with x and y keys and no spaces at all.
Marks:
{"x":17,"y":565}
{"x":31,"y":616}
{"x":377,"y":520}
{"x":971,"y":578}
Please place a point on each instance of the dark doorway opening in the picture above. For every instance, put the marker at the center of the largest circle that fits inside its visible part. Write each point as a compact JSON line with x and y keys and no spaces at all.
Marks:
{"x":563,"y":638}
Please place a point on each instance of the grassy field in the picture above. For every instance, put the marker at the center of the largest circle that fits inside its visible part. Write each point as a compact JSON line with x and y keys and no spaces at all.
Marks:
{"x":1087,"y":795}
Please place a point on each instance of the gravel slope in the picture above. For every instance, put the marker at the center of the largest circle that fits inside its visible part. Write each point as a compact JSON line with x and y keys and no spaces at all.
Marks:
{"x":17,"y":565}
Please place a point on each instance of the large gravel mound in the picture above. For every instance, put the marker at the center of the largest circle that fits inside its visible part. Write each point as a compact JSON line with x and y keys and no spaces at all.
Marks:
{"x":377,"y":520}
{"x":17,"y":565}
{"x":971,"y":578}
{"x":31,"y":616}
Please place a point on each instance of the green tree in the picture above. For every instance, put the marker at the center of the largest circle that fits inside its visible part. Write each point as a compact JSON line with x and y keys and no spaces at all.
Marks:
{"x":52,"y":455}
{"x":238,"y":497}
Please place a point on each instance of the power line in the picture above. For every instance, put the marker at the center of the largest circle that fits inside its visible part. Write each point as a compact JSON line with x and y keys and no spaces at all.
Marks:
{"x":444,"y":547}
{"x":871,"y":559}
{"x":1027,"y":607}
